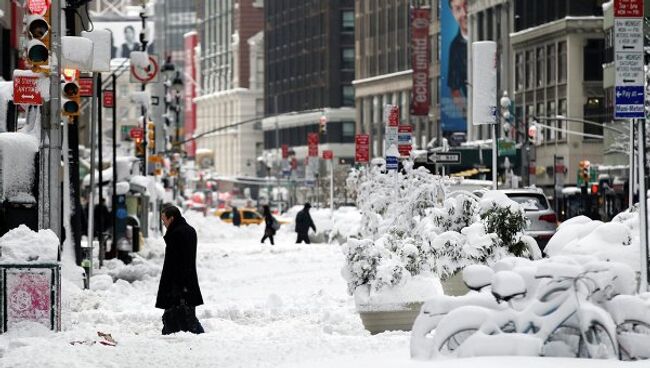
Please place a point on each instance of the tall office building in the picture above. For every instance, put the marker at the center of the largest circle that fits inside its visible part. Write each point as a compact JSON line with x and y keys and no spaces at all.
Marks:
{"x":231,"y":90}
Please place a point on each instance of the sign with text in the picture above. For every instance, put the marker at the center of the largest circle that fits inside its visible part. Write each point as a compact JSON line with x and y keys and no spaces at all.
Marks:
{"x":26,"y":89}
{"x":108,"y":99}
{"x":404,"y":140}
{"x":392,"y":163}
{"x":445,"y":157}
{"x":629,"y":90}
{"x":328,"y":154}
{"x":136,"y":133}
{"x":362,"y":148}
{"x":285,"y":151}
{"x":312,"y":141}
{"x":86,"y":87}
{"x":391,"y":119}
{"x":420,"y":55}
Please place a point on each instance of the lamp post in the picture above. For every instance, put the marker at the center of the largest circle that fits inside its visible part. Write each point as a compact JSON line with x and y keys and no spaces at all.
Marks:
{"x":504,"y":114}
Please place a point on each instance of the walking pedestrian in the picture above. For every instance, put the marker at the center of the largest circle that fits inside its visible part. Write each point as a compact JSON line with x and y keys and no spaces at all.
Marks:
{"x":179,"y":292}
{"x":303,"y":223}
{"x":271,"y":225}
{"x":236,"y":216}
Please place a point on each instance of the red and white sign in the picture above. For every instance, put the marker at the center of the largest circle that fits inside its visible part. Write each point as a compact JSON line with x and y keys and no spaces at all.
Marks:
{"x":628,"y":8}
{"x":285,"y":151}
{"x":86,"y":87}
{"x":420,"y":61}
{"x":362,"y":148}
{"x":148,"y":74}
{"x":191,"y":41}
{"x":136,"y":133}
{"x":404,"y":137}
{"x":312,"y":141}
{"x":328,"y":154}
{"x":108,"y":99}
{"x":391,"y":115}
{"x":38,"y":6}
{"x":29,"y":296}
{"x":26,"y":89}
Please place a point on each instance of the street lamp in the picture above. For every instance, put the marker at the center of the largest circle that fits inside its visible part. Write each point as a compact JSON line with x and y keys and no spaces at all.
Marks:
{"x":177,"y":87}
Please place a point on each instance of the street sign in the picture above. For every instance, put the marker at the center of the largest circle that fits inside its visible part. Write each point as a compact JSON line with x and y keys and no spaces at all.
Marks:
{"x":362,"y":148}
{"x":26,"y":89}
{"x":312,"y":140}
{"x":391,"y":120}
{"x":86,"y":87}
{"x":107,"y":99}
{"x":38,"y":6}
{"x":445,"y":157}
{"x":285,"y":151}
{"x":328,"y":154}
{"x":628,"y":60}
{"x":148,"y":74}
{"x":392,"y":163}
{"x":136,"y":133}
{"x":404,"y":137}
{"x":507,"y":147}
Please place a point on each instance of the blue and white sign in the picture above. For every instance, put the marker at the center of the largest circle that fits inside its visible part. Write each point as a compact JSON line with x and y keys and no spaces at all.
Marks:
{"x":391,"y":162}
{"x":628,"y":62}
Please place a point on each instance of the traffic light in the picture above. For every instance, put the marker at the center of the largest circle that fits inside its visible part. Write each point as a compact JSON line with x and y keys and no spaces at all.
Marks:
{"x":323,"y":125}
{"x":139,"y":147}
{"x":532,"y":133}
{"x":584,"y":166}
{"x":151,"y":136}
{"x":70,"y":93}
{"x":38,"y":33}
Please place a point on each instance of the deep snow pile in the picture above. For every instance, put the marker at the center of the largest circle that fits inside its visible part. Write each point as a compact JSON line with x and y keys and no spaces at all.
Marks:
{"x":617,"y":240}
{"x":17,"y":152}
{"x":21,"y":245}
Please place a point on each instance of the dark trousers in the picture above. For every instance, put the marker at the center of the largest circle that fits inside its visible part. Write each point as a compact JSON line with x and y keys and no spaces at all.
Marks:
{"x":268,"y":235}
{"x":303,"y":237}
{"x":181,"y":318}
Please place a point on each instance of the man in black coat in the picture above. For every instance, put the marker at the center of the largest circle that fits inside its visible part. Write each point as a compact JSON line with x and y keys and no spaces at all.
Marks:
{"x":179,"y":292}
{"x":303,"y":223}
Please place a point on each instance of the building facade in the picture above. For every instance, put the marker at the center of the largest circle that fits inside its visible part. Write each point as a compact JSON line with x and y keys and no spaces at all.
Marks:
{"x":383,"y":69}
{"x":309,"y":63}
{"x":231,"y":84}
{"x":558,"y":55}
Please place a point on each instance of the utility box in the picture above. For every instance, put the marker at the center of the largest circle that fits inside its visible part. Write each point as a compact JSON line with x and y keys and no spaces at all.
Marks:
{"x":30,"y":292}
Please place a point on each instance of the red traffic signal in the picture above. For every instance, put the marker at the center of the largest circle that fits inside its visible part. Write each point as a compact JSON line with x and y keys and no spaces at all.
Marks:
{"x":38,"y":32}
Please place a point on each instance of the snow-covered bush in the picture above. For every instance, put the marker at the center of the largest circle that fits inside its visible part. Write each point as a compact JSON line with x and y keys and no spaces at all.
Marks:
{"x":506,"y":219}
{"x":457,"y":213}
{"x":362,"y":261}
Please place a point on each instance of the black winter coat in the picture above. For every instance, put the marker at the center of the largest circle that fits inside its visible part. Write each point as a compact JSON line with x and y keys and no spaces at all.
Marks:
{"x":304,"y":222}
{"x":178,"y":278}
{"x":268,"y":221}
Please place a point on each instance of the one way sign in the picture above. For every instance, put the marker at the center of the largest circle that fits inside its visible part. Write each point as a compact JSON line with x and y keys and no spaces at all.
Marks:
{"x":445,"y":157}
{"x":26,"y":88}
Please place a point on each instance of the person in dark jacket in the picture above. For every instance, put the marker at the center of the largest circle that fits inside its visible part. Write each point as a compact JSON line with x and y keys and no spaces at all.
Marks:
{"x":269,"y":230}
{"x":179,"y":292}
{"x":236,"y":217}
{"x":102,"y":218}
{"x":303,"y":223}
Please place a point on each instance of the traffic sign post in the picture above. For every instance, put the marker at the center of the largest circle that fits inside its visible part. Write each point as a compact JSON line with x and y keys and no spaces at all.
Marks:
{"x":108,"y":99}
{"x":26,"y":90}
{"x":445,"y":157}
{"x":150,"y":74}
{"x":404,"y":137}
{"x":312,"y":140}
{"x":628,"y":59}
{"x":136,"y":133}
{"x":86,"y":87}
{"x":362,"y":148}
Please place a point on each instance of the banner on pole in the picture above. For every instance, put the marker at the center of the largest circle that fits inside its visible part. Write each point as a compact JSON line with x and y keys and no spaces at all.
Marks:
{"x":420,"y":61}
{"x":484,"y":91}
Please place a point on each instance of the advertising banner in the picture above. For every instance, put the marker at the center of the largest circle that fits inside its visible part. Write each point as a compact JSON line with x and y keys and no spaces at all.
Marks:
{"x":484,"y":93}
{"x":453,"y":66}
{"x":191,"y":41}
{"x":125,"y":36}
{"x":420,"y":61}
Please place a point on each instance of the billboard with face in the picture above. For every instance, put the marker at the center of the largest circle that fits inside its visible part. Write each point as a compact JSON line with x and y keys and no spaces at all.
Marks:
{"x":126,"y":36}
{"x":453,"y":66}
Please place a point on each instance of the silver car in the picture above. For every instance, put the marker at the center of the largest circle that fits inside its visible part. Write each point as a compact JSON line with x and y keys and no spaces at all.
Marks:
{"x":543,"y":220}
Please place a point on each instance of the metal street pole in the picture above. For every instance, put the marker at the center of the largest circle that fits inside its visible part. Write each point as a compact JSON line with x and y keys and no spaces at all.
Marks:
{"x":631,"y":176}
{"x":332,"y":186}
{"x":643,"y":208}
{"x":100,"y":220}
{"x":144,"y":42}
{"x":113,"y":252}
{"x":495,"y":185}
{"x":88,"y":255}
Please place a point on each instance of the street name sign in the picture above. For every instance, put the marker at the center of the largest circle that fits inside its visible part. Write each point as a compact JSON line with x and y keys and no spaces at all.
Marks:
{"x":445,"y":157}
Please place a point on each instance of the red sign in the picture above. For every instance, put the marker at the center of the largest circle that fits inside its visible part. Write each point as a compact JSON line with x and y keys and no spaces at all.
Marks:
{"x":362,"y":148}
{"x":144,"y":75}
{"x":108,"y":99}
{"x":136,"y":133}
{"x":312,"y":140}
{"x":285,"y":151}
{"x":404,"y":150}
{"x":420,"y":60}
{"x":392,"y":115}
{"x":38,"y":6}
{"x":86,"y":87}
{"x":628,"y":8}
{"x":328,"y":154}
{"x":26,"y":90}
{"x":404,"y":137}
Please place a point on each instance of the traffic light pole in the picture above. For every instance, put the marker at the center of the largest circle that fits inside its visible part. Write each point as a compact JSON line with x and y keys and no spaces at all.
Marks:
{"x":643,"y":207}
{"x":49,"y":204}
{"x":143,"y":41}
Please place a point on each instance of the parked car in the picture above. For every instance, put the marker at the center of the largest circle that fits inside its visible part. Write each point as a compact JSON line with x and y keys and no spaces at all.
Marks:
{"x":249,"y":216}
{"x":543,"y":220}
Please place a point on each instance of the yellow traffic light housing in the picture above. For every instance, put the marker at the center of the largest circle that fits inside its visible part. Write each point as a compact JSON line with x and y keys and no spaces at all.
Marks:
{"x":139,"y":147}
{"x":38,"y":45}
{"x":70,"y":93}
{"x":151,"y":136}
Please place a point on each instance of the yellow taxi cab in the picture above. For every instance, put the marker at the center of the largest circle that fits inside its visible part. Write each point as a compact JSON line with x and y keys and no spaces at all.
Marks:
{"x":249,"y":216}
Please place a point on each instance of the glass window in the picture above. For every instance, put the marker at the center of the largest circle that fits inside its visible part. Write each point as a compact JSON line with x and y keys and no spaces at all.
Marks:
{"x":561,"y":62}
{"x":519,"y":71}
{"x":550,"y":64}
{"x":530,"y":202}
{"x":550,"y":110}
{"x":348,"y":96}
{"x":347,"y":21}
{"x":539,"y":70}
{"x":530,"y":62}
{"x":348,"y":131}
{"x":347,"y":58}
{"x":593,"y":60}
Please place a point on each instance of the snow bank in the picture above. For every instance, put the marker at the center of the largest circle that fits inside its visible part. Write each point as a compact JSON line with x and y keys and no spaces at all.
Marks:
{"x":24,"y":245}
{"x":17,"y":153}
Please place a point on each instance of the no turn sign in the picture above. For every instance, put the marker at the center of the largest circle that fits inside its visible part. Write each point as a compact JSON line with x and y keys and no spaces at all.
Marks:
{"x":149,"y":74}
